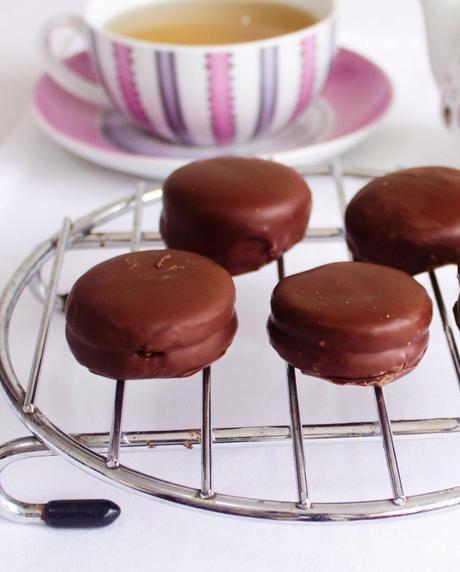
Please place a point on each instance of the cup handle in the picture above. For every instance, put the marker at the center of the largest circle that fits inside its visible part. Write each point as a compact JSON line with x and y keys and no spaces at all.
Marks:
{"x":56,"y":68}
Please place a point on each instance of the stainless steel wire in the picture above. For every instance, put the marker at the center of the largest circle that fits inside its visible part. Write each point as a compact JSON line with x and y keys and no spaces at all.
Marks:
{"x":113,"y":451}
{"x":389,"y":446}
{"x":206,"y":435}
{"x":297,"y":440}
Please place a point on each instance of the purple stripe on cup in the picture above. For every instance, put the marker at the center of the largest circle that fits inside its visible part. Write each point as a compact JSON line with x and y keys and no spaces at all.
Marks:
{"x":126,"y":78}
{"x":308,"y":54}
{"x":220,"y":97}
{"x":268,"y":88}
{"x":166,"y":69}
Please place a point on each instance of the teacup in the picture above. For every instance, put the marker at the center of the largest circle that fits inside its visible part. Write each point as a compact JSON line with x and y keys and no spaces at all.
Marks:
{"x":199,"y":95}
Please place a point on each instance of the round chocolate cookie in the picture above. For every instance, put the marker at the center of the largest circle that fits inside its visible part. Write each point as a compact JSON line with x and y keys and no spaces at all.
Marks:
{"x":242,"y":213}
{"x":409,"y":219}
{"x":151,"y":314}
{"x":351,"y":322}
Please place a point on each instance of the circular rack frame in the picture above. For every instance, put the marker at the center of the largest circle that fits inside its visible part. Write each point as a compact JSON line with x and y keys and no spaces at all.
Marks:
{"x":97,"y":453}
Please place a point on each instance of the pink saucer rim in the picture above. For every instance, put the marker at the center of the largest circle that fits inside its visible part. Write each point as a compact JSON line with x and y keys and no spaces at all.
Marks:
{"x":102,"y":147}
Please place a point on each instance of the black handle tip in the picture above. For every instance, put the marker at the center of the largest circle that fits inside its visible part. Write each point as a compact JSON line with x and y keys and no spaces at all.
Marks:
{"x":80,"y":513}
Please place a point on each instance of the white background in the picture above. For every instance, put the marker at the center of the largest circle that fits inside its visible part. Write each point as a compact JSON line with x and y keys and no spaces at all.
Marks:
{"x":40,"y":183}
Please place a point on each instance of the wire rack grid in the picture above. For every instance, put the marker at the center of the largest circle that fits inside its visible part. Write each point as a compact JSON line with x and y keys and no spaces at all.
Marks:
{"x":98,"y":453}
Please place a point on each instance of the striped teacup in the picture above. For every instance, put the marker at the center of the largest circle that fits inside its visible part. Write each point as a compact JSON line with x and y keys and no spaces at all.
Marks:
{"x":200,"y":95}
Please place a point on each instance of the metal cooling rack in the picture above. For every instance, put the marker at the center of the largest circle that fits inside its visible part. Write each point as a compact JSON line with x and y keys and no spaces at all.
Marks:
{"x":98,"y":453}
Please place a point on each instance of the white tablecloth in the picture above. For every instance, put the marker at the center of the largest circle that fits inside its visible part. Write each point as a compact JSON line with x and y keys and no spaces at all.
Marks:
{"x":40,"y":183}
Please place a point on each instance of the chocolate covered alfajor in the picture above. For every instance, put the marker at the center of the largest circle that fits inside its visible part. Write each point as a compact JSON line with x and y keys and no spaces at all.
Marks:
{"x":409,"y":219}
{"x":151,"y":314}
{"x":241,"y":212}
{"x":351,"y":322}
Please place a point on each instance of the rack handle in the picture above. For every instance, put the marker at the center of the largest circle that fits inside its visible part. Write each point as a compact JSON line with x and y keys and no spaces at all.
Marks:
{"x":80,"y":513}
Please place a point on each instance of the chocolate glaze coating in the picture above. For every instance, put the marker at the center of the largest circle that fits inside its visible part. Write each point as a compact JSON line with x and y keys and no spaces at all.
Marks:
{"x":409,"y":219}
{"x":351,"y":322}
{"x":241,"y":212}
{"x":151,"y":314}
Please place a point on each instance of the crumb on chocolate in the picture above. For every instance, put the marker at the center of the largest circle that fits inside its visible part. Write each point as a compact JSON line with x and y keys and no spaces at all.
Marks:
{"x":159,"y":263}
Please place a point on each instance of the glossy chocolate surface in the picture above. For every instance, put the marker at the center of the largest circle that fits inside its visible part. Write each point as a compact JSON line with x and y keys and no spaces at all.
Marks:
{"x":409,"y":219}
{"x":241,"y":212}
{"x":351,"y":322}
{"x":151,"y":314}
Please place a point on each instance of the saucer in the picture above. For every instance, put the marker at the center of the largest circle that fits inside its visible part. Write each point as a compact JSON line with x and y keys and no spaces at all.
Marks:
{"x":354,"y":102}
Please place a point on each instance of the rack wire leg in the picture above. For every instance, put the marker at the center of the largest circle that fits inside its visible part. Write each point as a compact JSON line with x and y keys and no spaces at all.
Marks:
{"x":392,"y":462}
{"x":206,"y":436}
{"x":113,"y":453}
{"x":297,"y":440}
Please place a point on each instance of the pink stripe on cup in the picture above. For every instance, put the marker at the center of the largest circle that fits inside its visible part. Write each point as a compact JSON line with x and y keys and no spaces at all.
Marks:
{"x":308,"y":48}
{"x":220,"y":97}
{"x":128,"y":87}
